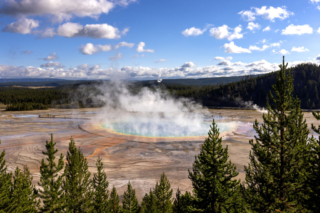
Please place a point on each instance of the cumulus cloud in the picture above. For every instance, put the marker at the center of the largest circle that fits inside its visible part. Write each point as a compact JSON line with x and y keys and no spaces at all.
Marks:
{"x":49,"y":32}
{"x":266,"y":29}
{"x":59,"y":10}
{"x":123,"y":44}
{"x":315,"y":1}
{"x":116,"y":57}
{"x":90,"y":49}
{"x":223,"y":32}
{"x":224,"y":63}
{"x":187,"y":70}
{"x":276,"y":44}
{"x":253,"y":26}
{"x":283,"y":52}
{"x":219,"y":58}
{"x":193,"y":31}
{"x":270,"y":13}
{"x":297,"y":30}
{"x":318,"y":58}
{"x":27,"y":52}
{"x":106,"y":31}
{"x":254,"y":47}
{"x":318,"y":30}
{"x":160,"y":60}
{"x":23,"y":26}
{"x":140,"y":48}
{"x":51,"y":57}
{"x":232,"y":48}
{"x":299,"y":49}
{"x":52,"y":64}
{"x":125,"y":30}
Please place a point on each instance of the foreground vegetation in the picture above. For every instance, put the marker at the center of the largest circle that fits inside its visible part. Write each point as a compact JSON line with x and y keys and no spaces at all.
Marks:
{"x":282,"y":176}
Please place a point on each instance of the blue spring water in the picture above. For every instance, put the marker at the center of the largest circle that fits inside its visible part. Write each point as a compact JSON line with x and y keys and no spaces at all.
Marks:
{"x":164,"y":128}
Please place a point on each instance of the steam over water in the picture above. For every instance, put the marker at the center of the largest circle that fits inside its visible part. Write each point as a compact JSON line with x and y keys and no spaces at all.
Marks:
{"x":153,"y":113}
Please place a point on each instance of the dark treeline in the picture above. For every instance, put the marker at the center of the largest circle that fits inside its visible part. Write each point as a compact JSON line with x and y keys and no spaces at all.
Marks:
{"x":250,"y":88}
{"x":282,"y":175}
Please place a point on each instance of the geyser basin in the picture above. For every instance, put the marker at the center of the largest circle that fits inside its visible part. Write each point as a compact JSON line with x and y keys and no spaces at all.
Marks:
{"x":166,"y":128}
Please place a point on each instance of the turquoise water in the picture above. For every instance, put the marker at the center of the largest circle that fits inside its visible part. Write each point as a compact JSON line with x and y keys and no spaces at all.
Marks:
{"x":165,"y":128}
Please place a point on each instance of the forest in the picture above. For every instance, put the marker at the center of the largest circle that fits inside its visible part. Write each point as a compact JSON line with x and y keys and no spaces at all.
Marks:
{"x":282,"y":175}
{"x":249,"y":88}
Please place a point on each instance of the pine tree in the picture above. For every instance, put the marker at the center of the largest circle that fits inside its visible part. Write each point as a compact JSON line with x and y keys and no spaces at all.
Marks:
{"x":274,"y":176}
{"x":114,"y":203}
{"x":5,"y":183}
{"x":76,"y":185}
{"x":182,"y":203}
{"x":22,"y":194}
{"x":130,"y":202}
{"x":312,"y":183}
{"x":163,"y":193}
{"x":51,"y":193}
{"x":100,"y":187}
{"x":149,"y":203}
{"x":212,"y":176}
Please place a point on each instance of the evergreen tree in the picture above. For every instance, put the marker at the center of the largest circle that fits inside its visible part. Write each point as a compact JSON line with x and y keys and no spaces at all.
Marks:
{"x":22,"y":194}
{"x":114,"y":203}
{"x":182,"y":203}
{"x":77,"y":185}
{"x":163,"y":193}
{"x":312,"y":184}
{"x":5,"y":183}
{"x":51,"y":193}
{"x":274,"y":177}
{"x":149,"y":203}
{"x":130,"y":202}
{"x":100,"y":187}
{"x":212,"y":176}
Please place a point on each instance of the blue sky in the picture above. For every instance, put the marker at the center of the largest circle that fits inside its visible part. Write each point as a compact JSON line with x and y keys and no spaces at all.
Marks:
{"x":150,"y":39}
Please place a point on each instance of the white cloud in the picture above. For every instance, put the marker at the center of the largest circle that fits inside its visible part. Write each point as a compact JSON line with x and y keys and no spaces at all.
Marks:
{"x":23,"y":26}
{"x":193,"y":31}
{"x":160,"y":60}
{"x":247,"y":15}
{"x":116,"y":57}
{"x":283,"y":52}
{"x":49,"y":32}
{"x":232,"y":48}
{"x":106,"y":31}
{"x":89,"y":49}
{"x":219,"y":58}
{"x":253,"y":26}
{"x":135,"y":56}
{"x":224,"y":63}
{"x":297,"y":30}
{"x":254,"y":47}
{"x":187,"y":70}
{"x":52,"y":64}
{"x":318,"y":58}
{"x":270,"y":13}
{"x":52,"y":56}
{"x":140,"y":48}
{"x":318,"y":30}
{"x":123,"y":44}
{"x":275,"y":44}
{"x":27,"y":52}
{"x":264,"y":40}
{"x":266,"y":29}
{"x":125,"y":30}
{"x":223,"y":33}
{"x":315,"y":1}
{"x":104,"y":48}
{"x":299,"y":49}
{"x":58,"y":10}
{"x":318,"y":7}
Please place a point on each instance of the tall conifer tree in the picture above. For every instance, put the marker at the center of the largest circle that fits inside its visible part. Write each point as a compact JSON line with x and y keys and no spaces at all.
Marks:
{"x":22,"y":194}
{"x":312,"y":179}
{"x":77,"y":185}
{"x":5,"y":183}
{"x":149,"y":203}
{"x":182,"y":203}
{"x":163,"y":193}
{"x":212,"y":176}
{"x":100,"y":187}
{"x":51,"y":193}
{"x":130,"y":202}
{"x":274,"y":177}
{"x":114,"y":203}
